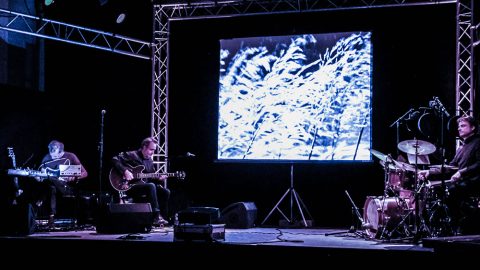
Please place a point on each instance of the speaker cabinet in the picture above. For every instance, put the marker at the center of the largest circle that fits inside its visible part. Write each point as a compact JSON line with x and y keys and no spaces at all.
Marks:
{"x":199,"y":215}
{"x":240,"y":215}
{"x":19,"y":220}
{"x":117,"y":218}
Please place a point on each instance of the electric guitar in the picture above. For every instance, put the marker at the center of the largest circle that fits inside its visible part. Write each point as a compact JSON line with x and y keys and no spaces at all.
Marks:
{"x":39,"y":175}
{"x":119,"y":183}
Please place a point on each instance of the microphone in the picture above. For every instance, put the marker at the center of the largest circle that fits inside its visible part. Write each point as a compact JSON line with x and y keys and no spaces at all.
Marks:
{"x":188,"y":154}
{"x":436,"y":104}
{"x":441,"y":107}
{"x":104,"y":112}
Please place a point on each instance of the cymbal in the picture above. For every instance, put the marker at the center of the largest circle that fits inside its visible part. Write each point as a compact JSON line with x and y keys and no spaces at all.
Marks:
{"x":416,"y":147}
{"x":439,"y":166}
{"x":380,"y":155}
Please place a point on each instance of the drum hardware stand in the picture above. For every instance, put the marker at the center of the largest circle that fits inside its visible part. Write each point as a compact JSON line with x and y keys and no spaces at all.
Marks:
{"x":421,"y":229}
{"x":383,"y":228}
{"x":445,"y":222}
{"x":407,"y":232}
{"x":353,"y":229}
{"x":298,"y":200}
{"x":440,"y":204}
{"x":386,"y":185}
{"x":402,"y":203}
{"x":441,"y":227}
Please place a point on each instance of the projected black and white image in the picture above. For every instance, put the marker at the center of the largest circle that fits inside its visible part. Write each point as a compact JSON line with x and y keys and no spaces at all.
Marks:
{"x":303,"y":97}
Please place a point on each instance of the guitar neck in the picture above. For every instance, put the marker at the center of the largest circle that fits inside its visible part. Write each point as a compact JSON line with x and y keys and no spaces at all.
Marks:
{"x":153,"y":175}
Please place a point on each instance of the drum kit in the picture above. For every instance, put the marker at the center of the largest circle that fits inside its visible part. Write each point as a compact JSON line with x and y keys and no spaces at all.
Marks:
{"x":409,"y":205}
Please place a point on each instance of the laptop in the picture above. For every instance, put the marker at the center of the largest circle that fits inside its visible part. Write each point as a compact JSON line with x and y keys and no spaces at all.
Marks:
{"x":70,"y":170}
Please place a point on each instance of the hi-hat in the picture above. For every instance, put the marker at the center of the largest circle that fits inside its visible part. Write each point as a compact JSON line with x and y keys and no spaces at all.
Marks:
{"x":416,"y":147}
{"x":380,"y":155}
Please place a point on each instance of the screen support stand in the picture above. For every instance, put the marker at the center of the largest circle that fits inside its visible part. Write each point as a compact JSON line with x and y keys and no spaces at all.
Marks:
{"x":293,"y":197}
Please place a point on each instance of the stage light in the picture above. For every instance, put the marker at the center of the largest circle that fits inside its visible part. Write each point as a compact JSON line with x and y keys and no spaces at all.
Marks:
{"x":120,"y":17}
{"x":48,"y":2}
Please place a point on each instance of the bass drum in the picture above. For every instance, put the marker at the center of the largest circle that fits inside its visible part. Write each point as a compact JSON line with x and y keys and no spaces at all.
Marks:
{"x":383,"y":215}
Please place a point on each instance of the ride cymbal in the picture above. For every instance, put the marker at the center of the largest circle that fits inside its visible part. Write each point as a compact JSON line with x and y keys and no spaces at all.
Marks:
{"x":416,"y":147}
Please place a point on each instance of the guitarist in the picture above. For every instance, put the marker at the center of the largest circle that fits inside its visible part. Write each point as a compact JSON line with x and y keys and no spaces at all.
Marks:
{"x":63,"y":185}
{"x":144,"y":190}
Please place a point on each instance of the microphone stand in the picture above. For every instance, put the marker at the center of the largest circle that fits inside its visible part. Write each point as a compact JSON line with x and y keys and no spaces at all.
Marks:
{"x":420,"y":228}
{"x":100,"y":163}
{"x":353,"y":229}
{"x":397,"y":124}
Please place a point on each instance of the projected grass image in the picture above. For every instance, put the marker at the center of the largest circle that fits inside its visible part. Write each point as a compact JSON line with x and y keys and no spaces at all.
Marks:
{"x":295,"y":98}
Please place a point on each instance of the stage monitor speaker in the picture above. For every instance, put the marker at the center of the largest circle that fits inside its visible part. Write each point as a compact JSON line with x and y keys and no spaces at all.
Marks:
{"x":125,"y":218}
{"x":240,"y":215}
{"x":19,"y":220}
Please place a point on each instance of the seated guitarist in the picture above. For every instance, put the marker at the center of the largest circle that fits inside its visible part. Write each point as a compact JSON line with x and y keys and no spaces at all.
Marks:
{"x":56,"y":184}
{"x":128,"y":164}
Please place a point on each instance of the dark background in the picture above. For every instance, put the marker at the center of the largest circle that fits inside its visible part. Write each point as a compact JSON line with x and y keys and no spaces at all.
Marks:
{"x":414,"y":59}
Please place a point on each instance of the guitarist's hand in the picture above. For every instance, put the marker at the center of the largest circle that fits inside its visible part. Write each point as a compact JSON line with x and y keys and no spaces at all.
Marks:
{"x":38,"y":178}
{"x":127,"y":175}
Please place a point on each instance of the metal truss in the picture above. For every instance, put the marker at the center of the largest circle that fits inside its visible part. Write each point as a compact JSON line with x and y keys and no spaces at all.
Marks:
{"x":164,"y":11}
{"x":465,"y":94}
{"x":54,"y":30}
{"x":159,"y":123}
{"x":203,"y":8}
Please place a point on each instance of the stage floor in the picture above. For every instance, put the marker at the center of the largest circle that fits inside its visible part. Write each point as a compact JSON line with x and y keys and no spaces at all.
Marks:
{"x":307,"y":245}
{"x":304,"y":237}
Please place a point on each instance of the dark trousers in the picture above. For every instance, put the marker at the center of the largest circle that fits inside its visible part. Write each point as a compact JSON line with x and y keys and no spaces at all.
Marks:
{"x":459,"y":195}
{"x":156,"y":195}
{"x":39,"y":193}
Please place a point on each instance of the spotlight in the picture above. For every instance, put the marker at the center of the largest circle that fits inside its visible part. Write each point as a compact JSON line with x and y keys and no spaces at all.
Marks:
{"x":48,"y":2}
{"x":120,"y":18}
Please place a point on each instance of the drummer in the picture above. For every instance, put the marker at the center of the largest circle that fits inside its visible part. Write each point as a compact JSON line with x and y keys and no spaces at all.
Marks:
{"x":465,"y":182}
